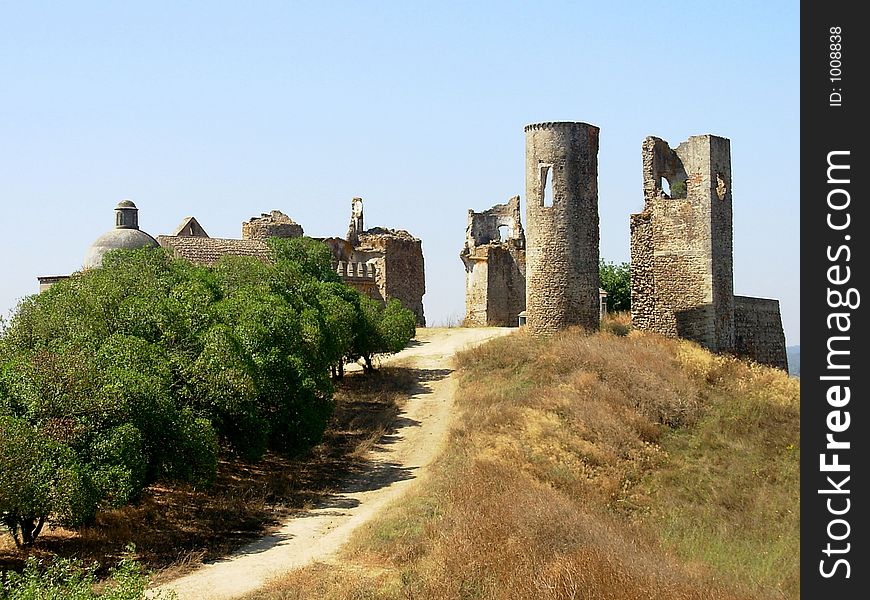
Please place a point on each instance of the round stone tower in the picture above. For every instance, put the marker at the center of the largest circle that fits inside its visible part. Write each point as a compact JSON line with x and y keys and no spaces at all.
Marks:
{"x":561,"y":226}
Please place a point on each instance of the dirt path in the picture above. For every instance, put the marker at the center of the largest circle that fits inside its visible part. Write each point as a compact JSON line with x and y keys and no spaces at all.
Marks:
{"x":400,"y":461}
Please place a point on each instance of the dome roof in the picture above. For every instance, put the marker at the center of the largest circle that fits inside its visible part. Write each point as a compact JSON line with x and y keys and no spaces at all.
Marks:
{"x":126,"y":234}
{"x":115,"y":239}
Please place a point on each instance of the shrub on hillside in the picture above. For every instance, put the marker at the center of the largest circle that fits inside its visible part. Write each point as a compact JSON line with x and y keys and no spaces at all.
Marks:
{"x":142,"y":369}
{"x":65,"y":579}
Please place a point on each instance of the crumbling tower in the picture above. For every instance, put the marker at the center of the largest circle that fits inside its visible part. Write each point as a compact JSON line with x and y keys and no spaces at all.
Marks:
{"x":682,"y":282}
{"x":681,"y":244}
{"x":561,"y":226}
{"x":357,"y":225}
{"x":494,"y":256}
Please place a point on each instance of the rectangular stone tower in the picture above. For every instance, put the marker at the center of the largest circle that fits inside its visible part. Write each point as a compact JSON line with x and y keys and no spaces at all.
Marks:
{"x":494,"y":256}
{"x":681,"y":244}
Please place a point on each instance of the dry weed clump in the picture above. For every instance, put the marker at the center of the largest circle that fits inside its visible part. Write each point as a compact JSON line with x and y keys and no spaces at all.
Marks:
{"x":596,"y":467}
{"x":617,"y":323}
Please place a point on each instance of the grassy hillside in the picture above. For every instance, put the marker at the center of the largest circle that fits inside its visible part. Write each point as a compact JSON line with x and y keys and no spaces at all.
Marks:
{"x":597,"y":467}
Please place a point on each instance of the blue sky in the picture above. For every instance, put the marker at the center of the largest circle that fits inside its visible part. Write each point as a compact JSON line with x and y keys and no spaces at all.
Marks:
{"x":225,"y":110}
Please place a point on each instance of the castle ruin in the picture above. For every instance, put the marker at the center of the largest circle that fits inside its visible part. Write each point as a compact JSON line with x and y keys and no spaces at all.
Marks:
{"x":561,"y":226}
{"x":681,"y":255}
{"x":396,"y":257}
{"x":494,"y":256}
{"x":380,"y":263}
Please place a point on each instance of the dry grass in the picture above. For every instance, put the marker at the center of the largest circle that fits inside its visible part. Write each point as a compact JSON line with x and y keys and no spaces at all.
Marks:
{"x":175,"y":528}
{"x":596,"y":467}
{"x":618,"y":323}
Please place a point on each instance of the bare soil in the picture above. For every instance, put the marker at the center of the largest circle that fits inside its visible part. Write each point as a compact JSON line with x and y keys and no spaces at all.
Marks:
{"x":396,"y":461}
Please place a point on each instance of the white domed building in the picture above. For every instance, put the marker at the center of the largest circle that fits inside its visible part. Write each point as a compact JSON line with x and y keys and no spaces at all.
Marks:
{"x":126,"y":234}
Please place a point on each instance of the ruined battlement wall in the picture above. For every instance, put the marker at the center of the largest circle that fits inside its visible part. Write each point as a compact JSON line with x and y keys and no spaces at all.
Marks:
{"x":506,"y":286}
{"x":681,"y":244}
{"x":485,"y":227}
{"x":562,"y":239}
{"x":495,"y":286}
{"x":399,"y":269}
{"x":759,"y":333}
{"x":495,"y":266}
{"x":273,"y":224}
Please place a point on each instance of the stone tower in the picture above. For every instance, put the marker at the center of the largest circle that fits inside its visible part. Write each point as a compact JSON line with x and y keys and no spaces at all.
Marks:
{"x":494,"y":256}
{"x":682,"y":282}
{"x":561,"y":226}
{"x":681,"y":244}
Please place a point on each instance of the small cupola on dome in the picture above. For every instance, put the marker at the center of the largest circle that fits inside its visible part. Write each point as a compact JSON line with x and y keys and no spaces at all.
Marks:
{"x":126,"y":234}
{"x":126,"y":215}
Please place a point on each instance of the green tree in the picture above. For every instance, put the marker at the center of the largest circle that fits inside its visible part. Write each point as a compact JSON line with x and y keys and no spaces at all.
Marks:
{"x":69,"y":579}
{"x":143,"y":369}
{"x":616,"y":281}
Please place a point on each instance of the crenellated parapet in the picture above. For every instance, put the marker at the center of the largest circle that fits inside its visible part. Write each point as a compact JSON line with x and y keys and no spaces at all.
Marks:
{"x":355,"y":270}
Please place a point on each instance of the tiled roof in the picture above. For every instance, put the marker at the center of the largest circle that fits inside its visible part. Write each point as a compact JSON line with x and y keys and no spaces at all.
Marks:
{"x":207,"y":251}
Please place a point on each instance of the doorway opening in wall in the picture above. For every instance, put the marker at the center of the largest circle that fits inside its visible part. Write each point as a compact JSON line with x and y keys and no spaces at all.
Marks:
{"x":546,"y":186}
{"x":503,"y":234}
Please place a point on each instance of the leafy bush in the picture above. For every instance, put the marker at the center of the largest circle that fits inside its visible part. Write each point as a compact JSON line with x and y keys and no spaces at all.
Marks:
{"x":65,"y":579}
{"x":616,"y":281}
{"x":144,"y":368}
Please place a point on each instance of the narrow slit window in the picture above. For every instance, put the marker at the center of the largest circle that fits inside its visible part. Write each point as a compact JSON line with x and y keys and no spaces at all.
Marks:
{"x":546,"y":186}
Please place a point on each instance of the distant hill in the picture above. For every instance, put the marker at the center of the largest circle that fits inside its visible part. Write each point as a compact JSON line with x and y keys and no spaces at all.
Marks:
{"x":794,"y":360}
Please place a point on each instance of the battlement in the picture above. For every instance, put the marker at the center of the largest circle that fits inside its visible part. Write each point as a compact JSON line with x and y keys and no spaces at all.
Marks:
{"x":357,"y":271}
{"x":561,"y":226}
{"x":557,"y":125}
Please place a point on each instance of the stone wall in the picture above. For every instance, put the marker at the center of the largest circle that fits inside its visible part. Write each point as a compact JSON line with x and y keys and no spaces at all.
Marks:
{"x":681,"y":255}
{"x":759,"y":333}
{"x":495,"y":286}
{"x":506,"y":297}
{"x":399,"y":269}
{"x":207,"y":251}
{"x":476,"y":288}
{"x":273,"y":224}
{"x":681,"y":244}
{"x":562,"y":239}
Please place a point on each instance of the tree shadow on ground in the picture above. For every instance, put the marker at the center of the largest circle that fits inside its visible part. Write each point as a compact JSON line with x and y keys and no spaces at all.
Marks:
{"x":175,"y":528}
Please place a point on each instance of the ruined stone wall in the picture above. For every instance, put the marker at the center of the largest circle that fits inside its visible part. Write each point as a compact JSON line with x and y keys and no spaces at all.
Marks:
{"x":362,"y":276}
{"x":273,"y":224}
{"x":399,"y":269}
{"x":495,"y":287}
{"x":759,"y":334}
{"x":721,"y":238}
{"x":681,"y":244}
{"x":562,"y":240}
{"x":357,"y":221}
{"x":644,"y":315}
{"x":506,"y":286}
{"x":476,"y":289}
